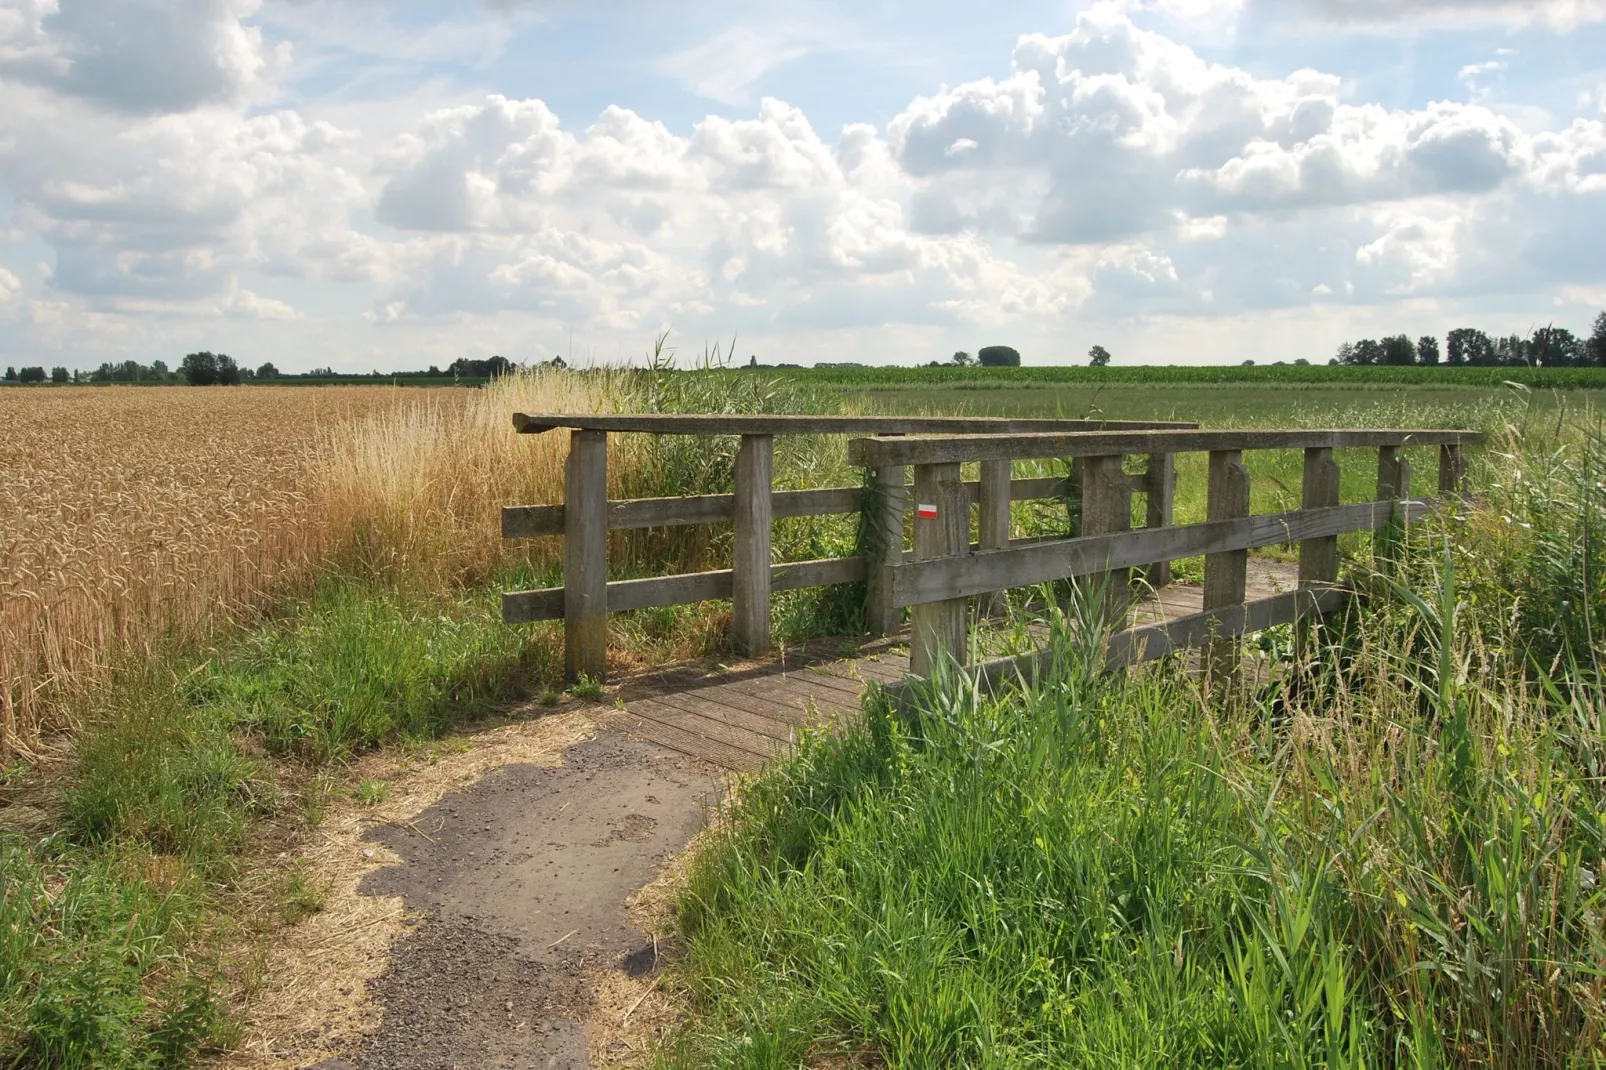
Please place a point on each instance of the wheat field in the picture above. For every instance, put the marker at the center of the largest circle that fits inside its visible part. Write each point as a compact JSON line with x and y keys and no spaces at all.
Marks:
{"x":134,"y":515}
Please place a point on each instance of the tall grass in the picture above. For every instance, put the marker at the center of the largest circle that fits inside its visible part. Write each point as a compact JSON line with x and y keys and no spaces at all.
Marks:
{"x":1387,"y":857}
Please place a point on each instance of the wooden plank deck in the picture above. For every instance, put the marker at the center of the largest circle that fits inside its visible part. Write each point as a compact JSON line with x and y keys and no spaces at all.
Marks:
{"x":739,"y":716}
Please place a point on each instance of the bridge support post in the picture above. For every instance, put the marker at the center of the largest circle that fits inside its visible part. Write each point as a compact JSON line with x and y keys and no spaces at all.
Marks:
{"x":1452,"y":470}
{"x":885,"y":537}
{"x":1107,"y":509}
{"x":1393,"y":484}
{"x":1318,"y":558}
{"x":1226,"y":575}
{"x":939,"y":627}
{"x":993,"y":521}
{"x":750,"y":565}
{"x":1159,"y":487}
{"x":585,"y":557}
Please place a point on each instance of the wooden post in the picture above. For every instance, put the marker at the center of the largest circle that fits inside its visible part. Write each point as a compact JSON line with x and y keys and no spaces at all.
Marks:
{"x":585,"y":557}
{"x":1452,"y":470}
{"x":1393,"y":483}
{"x":1159,"y":486}
{"x":1318,"y":558}
{"x":939,"y":627}
{"x":1107,"y":508}
{"x":993,"y":521}
{"x":750,"y":559}
{"x":891,"y":495}
{"x":1226,"y":575}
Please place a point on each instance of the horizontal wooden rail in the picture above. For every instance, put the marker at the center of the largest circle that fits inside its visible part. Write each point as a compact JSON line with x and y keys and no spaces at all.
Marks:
{"x":1154,"y":641}
{"x":953,"y":449}
{"x":525,"y":607}
{"x":942,"y":578}
{"x":626,"y":514}
{"x":716,"y":424}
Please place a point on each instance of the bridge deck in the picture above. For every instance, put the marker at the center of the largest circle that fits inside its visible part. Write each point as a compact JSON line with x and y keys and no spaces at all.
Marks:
{"x":739,"y":716}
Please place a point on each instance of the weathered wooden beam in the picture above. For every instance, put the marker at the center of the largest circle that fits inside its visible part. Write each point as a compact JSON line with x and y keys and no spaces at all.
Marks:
{"x":528,"y":607}
{"x":1318,"y":555}
{"x":884,"y":529}
{"x":1393,"y":483}
{"x":750,"y":555}
{"x":534,"y":521}
{"x":1160,"y":485}
{"x":1452,"y":471}
{"x":1107,"y":510}
{"x":939,"y":627}
{"x":1153,"y":641}
{"x":1226,"y":574}
{"x":993,"y":521}
{"x":720,"y":424}
{"x":585,"y":558}
{"x":1032,"y":561}
{"x":951,"y":449}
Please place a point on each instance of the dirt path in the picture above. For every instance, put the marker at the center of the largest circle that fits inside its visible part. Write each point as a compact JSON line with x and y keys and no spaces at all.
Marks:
{"x":517,"y":887}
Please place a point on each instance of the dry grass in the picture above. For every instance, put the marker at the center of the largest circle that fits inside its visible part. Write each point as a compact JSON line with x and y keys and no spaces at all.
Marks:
{"x":131,"y":515}
{"x":415,"y":491}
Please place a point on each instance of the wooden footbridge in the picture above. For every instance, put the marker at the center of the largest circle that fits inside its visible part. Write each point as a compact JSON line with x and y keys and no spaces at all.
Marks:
{"x":938,"y":543}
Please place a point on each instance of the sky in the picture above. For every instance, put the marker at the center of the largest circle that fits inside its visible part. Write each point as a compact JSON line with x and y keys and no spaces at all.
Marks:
{"x":385,"y":186}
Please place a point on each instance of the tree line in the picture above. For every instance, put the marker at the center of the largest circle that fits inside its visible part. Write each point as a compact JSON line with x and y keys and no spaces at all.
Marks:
{"x":219,"y":369}
{"x":1546,"y":347}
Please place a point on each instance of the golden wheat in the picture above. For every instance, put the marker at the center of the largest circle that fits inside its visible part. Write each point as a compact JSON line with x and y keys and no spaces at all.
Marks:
{"x":414,"y":492}
{"x":133,"y":515}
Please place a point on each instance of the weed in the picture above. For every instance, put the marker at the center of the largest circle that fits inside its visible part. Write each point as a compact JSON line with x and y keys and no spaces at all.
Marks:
{"x":370,"y":792}
{"x":586,"y":688}
{"x":303,"y":893}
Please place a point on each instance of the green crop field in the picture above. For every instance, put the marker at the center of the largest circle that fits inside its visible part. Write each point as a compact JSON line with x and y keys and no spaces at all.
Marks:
{"x":1271,"y":374}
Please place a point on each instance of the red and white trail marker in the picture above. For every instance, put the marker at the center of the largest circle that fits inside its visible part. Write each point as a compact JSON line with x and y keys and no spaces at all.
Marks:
{"x":926,"y":512}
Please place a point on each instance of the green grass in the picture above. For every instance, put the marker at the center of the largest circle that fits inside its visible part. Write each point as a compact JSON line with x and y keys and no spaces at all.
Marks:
{"x":1388,"y":856}
{"x":111,"y":930}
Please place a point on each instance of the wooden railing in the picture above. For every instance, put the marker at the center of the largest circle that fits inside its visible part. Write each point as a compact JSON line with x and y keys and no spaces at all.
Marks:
{"x":586,"y":516}
{"x":946,"y":571}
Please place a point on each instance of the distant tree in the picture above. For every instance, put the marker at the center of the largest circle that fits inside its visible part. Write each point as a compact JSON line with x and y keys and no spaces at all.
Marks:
{"x":1512,"y":351}
{"x":1595,"y":347}
{"x":1368,"y":351}
{"x":480,"y":369}
{"x":1397,"y":350}
{"x":1427,"y":349}
{"x":560,"y":364}
{"x":199,"y":369}
{"x":1099,"y":356}
{"x":228,"y":372}
{"x":1556,"y":347}
{"x":1248,"y":364}
{"x":159,"y":371}
{"x":11,"y":375}
{"x":60,"y":375}
{"x":1468,"y":345}
{"x":435,"y":369}
{"x":1345,"y":354}
{"x":267,"y":371}
{"x":998,"y":357}
{"x":1302,"y":362}
{"x":32,"y":375}
{"x":961,"y":359}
